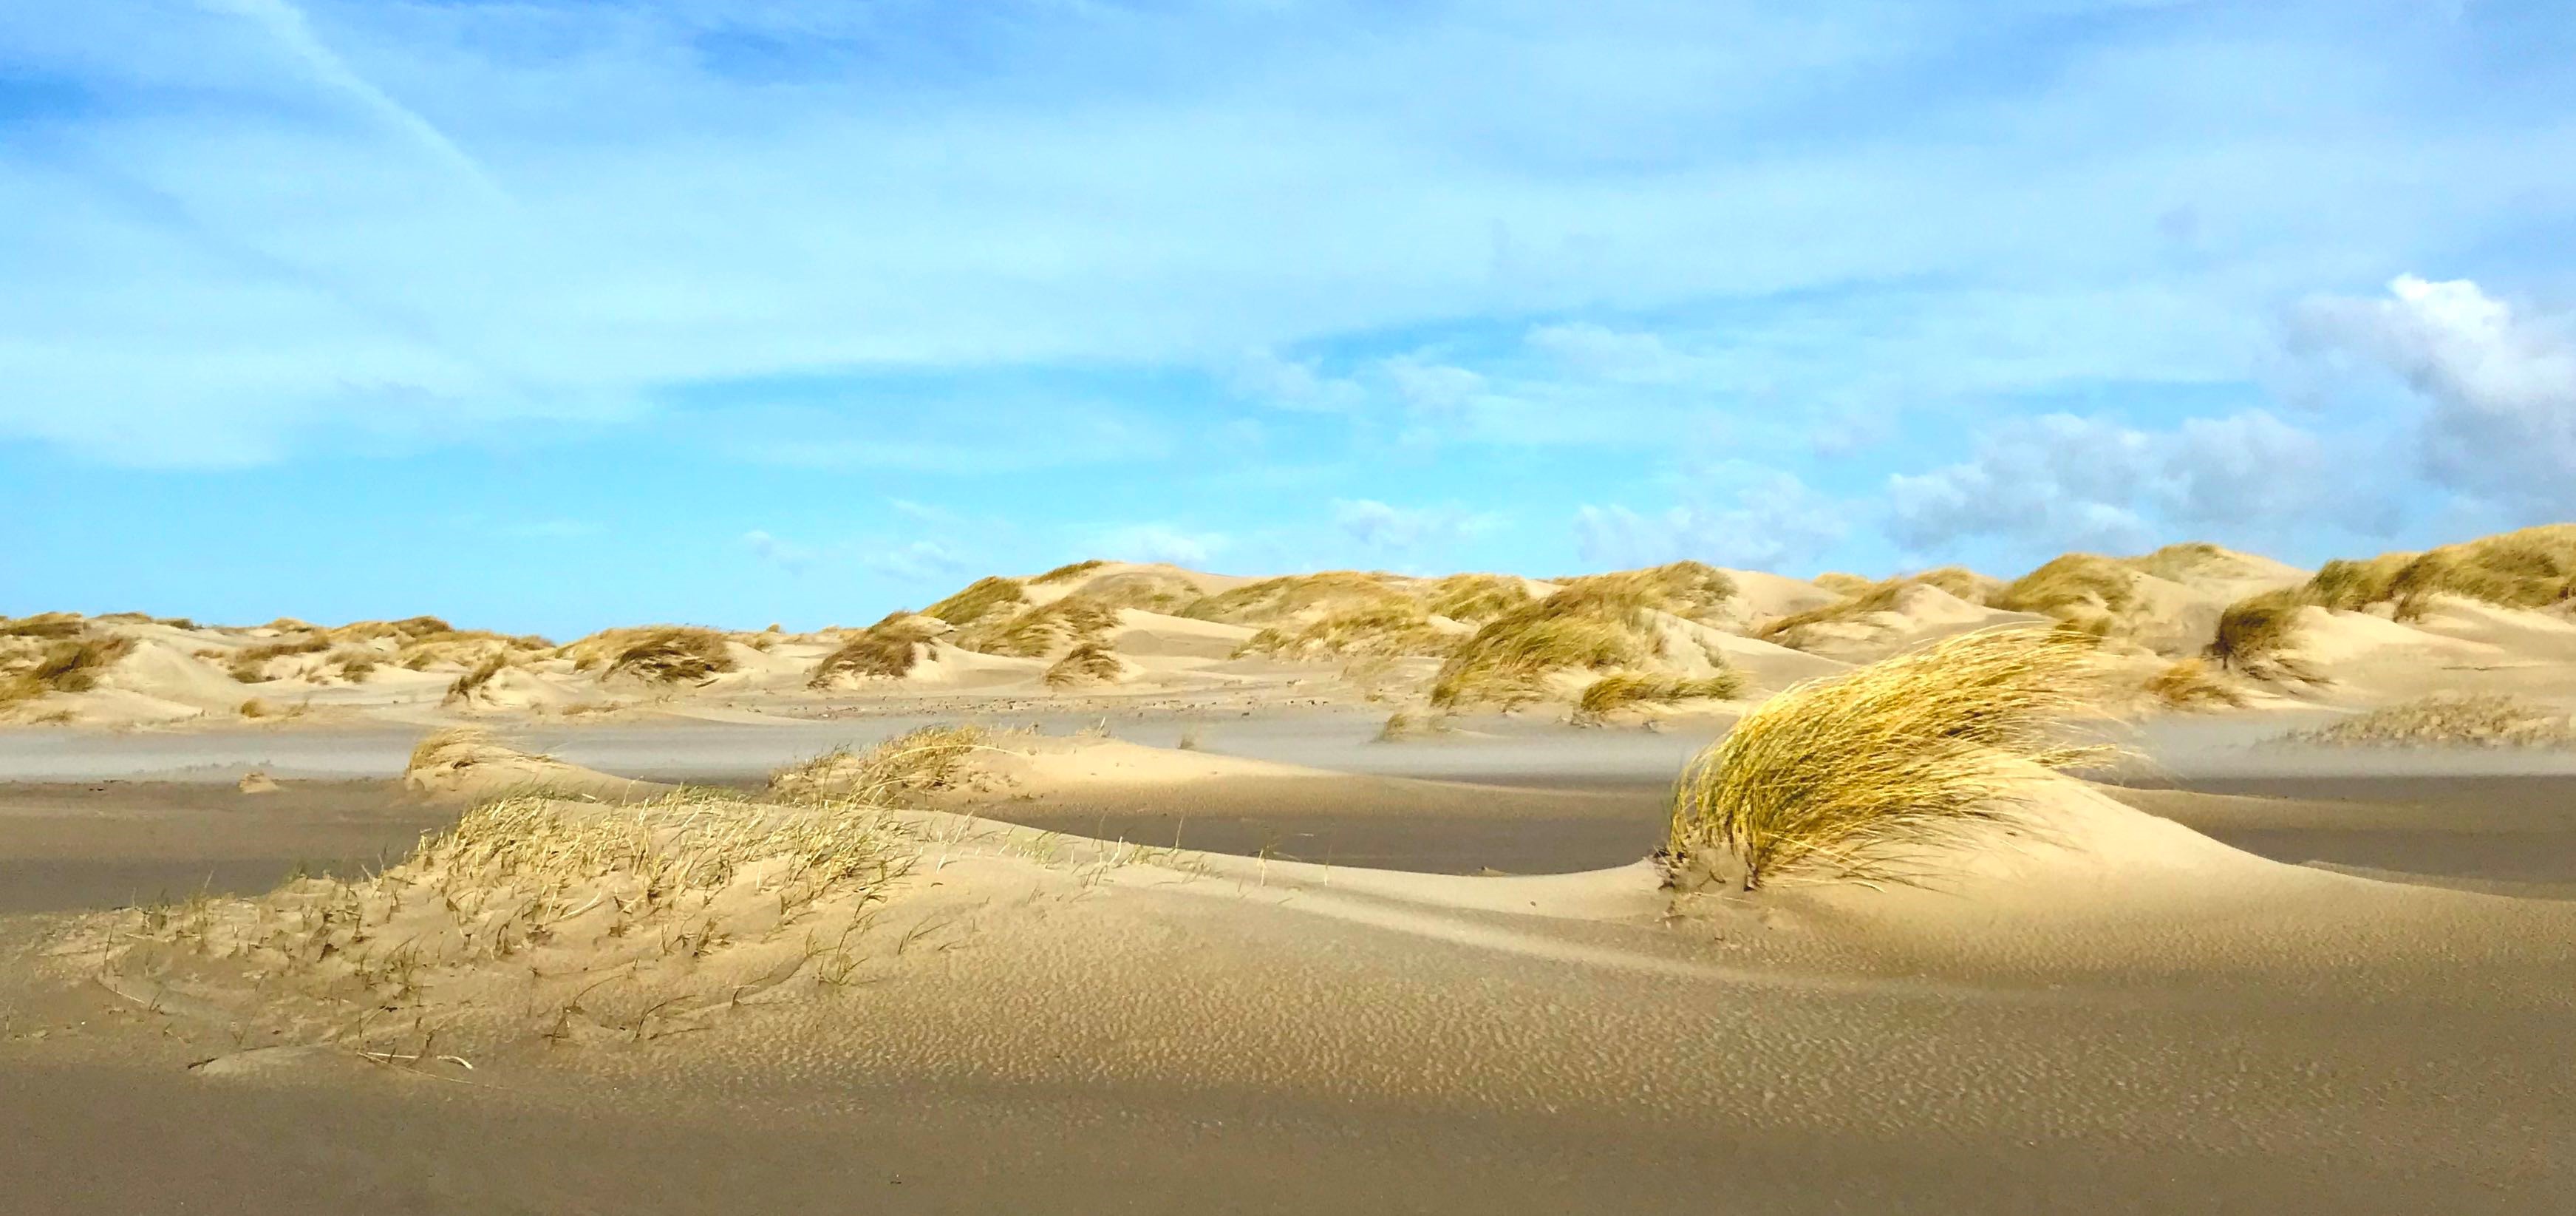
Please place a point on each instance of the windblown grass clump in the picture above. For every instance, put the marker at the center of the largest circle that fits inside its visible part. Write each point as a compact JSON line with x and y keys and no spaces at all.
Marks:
{"x":2532,"y":568}
{"x":1690,"y":590}
{"x":465,"y":686}
{"x":1392,"y":629}
{"x":886,"y":650}
{"x":2189,"y":684}
{"x":2350,"y":586}
{"x":1070,"y":570}
{"x":2085,"y":590}
{"x":659,"y":654}
{"x":926,"y":760}
{"x":48,"y":625}
{"x":979,"y":599}
{"x":1793,"y":629}
{"x":1298,"y":596}
{"x":1406,"y":724}
{"x":540,"y":917}
{"x":1086,"y":664}
{"x":249,"y":665}
{"x":46,"y":664}
{"x":1038,"y":632}
{"x":1627,"y":690}
{"x":2256,"y":633}
{"x":2446,"y":719}
{"x":1474,"y":599}
{"x":1594,"y":626}
{"x":1857,"y":775}
{"x":1149,"y":590}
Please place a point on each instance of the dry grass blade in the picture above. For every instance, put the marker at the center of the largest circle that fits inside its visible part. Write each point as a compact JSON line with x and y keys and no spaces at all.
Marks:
{"x":918,"y":761}
{"x":886,"y":650}
{"x":980,"y":599}
{"x":2189,"y":684}
{"x":1088,"y":663}
{"x":1855,"y":775}
{"x":1597,"y":626}
{"x":1610,"y":694}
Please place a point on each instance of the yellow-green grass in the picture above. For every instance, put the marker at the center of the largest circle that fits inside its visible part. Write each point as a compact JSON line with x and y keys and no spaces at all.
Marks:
{"x":1070,"y":570}
{"x":2084,"y":590}
{"x":979,"y":599}
{"x":249,"y":665}
{"x":43,"y":665}
{"x":1038,"y":632}
{"x":2476,"y":720}
{"x":1857,"y":775}
{"x":1271,"y":601}
{"x":1692,"y":590}
{"x":1474,"y":599}
{"x":922,"y":760}
{"x":2190,"y":684}
{"x":1088,"y":663}
{"x":885,"y":650}
{"x":1390,"y":629}
{"x":1150,"y":590}
{"x":2256,"y":633}
{"x":1790,"y":630}
{"x":1630,"y":690}
{"x":1589,"y":626}
{"x":662,"y":654}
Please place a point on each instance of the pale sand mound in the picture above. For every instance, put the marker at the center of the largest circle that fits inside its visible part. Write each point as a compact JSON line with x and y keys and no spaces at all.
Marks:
{"x":1143,"y":634}
{"x":944,"y":763}
{"x":512,"y":689}
{"x":1914,"y":615}
{"x":464,"y":762}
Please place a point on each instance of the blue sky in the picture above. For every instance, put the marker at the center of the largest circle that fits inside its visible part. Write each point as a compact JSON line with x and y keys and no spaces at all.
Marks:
{"x":547,"y":315}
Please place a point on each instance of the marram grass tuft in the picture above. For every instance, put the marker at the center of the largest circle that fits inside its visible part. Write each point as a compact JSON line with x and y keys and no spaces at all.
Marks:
{"x":1853,"y":776}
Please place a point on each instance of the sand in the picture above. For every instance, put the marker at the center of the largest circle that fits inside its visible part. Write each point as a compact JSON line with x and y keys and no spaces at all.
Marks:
{"x":1288,"y":967}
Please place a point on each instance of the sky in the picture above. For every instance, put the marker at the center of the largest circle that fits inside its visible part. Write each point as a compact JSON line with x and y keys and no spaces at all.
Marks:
{"x":554,"y":314}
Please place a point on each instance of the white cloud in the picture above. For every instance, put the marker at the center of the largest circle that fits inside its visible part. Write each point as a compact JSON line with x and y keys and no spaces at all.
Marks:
{"x":2067,"y":482}
{"x":428,"y":221}
{"x":784,"y":554}
{"x":1161,"y":543}
{"x":1773,"y":519}
{"x":1382,"y":527}
{"x":2501,"y":387}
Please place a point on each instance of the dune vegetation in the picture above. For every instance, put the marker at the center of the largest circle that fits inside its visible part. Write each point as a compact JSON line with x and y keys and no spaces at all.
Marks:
{"x":1272,"y":601}
{"x":463,"y":688}
{"x":886,"y":650}
{"x":1150,"y":590}
{"x":1070,"y":570}
{"x":1690,"y":590}
{"x":1856,"y":776}
{"x":923,"y":760}
{"x":34,"y":664}
{"x":2450,"y":720}
{"x":2191,"y":684}
{"x":1473,"y":599}
{"x":978,"y":600}
{"x":1631,"y":690}
{"x":1861,"y":597}
{"x":1583,"y":627}
{"x":2255,"y":635}
{"x":1042,"y":631}
{"x":2085,"y":591}
{"x":1394,"y":629}
{"x":1086,"y":664}
{"x":659,"y":654}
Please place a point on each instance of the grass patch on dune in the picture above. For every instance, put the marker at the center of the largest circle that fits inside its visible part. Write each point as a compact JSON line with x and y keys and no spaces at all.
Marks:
{"x":2190,"y":684}
{"x":53,"y":626}
{"x":924,"y":760}
{"x":1474,"y":599}
{"x":1392,"y":629}
{"x":660,"y":654}
{"x":1150,"y":590}
{"x":1593,"y":626}
{"x":2084,"y":590}
{"x":43,"y":664}
{"x":2255,"y":635}
{"x":1274,"y":600}
{"x":1086,"y":664}
{"x":1038,"y":632}
{"x":465,"y":686}
{"x":886,"y":650}
{"x":1856,"y":775}
{"x":1627,"y":690}
{"x":979,"y":599}
{"x":1070,"y":570}
{"x":1863,"y":598}
{"x":1686,"y":589}
{"x":2483,"y":720}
